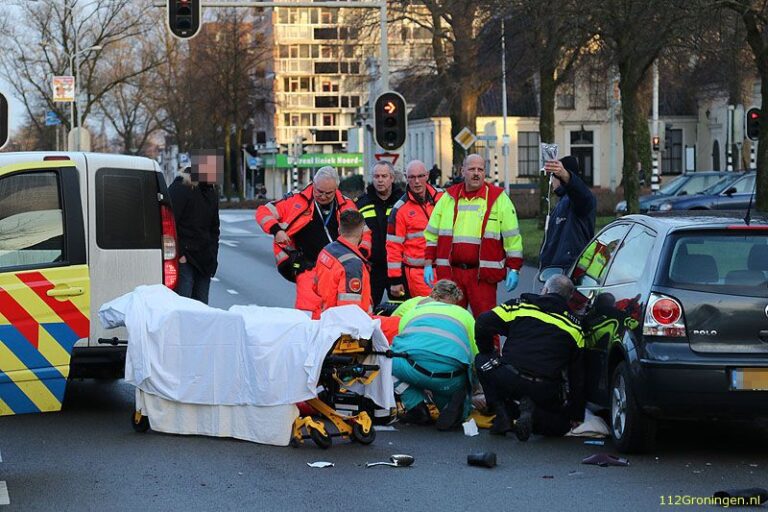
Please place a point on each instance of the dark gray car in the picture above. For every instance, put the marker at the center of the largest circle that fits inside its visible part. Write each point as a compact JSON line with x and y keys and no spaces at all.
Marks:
{"x":676,"y":320}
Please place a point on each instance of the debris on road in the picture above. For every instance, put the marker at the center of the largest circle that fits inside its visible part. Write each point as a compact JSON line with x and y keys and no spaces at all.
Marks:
{"x":604,"y":460}
{"x":320,"y":464}
{"x":482,"y":459}
{"x":470,"y":428}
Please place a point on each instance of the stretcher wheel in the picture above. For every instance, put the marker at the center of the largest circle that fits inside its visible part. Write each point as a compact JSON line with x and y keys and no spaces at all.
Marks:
{"x":139,"y":422}
{"x":320,"y":440}
{"x":362,"y":437}
{"x":294,"y":443}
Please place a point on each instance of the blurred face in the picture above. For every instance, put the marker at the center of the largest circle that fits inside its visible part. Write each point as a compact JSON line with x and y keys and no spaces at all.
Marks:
{"x":324,"y":191}
{"x":383,"y":180}
{"x":417,"y":176}
{"x":206,"y":168}
{"x":474,"y":173}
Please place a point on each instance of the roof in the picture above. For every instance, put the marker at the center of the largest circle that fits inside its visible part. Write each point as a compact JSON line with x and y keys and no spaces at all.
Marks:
{"x":700,"y":219}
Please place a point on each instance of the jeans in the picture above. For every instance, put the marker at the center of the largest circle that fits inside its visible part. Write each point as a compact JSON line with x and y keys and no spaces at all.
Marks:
{"x":193,"y":283}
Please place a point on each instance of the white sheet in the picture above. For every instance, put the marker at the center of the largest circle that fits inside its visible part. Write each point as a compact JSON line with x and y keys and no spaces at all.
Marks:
{"x":184,"y":351}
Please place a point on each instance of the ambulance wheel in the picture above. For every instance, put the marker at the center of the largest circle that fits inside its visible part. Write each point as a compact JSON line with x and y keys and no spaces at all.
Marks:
{"x":320,"y":440}
{"x":360,"y":436}
{"x":142,"y":425}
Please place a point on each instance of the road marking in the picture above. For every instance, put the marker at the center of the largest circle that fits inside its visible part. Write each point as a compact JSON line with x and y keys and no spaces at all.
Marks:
{"x":4,"y":498}
{"x":232,"y":292}
{"x":229,"y":243}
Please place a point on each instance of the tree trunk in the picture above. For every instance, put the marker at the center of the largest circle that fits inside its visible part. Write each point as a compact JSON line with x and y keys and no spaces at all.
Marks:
{"x":466,"y":92}
{"x":547,"y":90}
{"x":629,"y":114}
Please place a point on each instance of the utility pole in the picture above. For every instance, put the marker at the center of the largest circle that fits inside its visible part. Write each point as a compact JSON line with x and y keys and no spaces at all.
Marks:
{"x":505,"y":135}
{"x":655,"y":177}
{"x":729,"y":139}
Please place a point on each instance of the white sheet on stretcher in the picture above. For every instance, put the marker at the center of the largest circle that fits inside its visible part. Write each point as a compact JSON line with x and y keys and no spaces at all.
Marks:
{"x":182,"y":350}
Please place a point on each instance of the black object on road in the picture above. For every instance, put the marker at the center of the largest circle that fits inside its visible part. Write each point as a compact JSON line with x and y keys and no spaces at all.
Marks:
{"x":604,"y":460}
{"x":483,"y":459}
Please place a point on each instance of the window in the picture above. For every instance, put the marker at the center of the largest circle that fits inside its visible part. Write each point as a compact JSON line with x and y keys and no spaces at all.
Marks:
{"x":326,"y":102}
{"x":314,"y":16}
{"x":31,"y":223}
{"x":329,"y":119}
{"x":632,"y":257}
{"x":127,"y":212}
{"x":326,"y":68}
{"x":345,"y":102}
{"x":329,"y":52}
{"x":598,"y":90}
{"x":746,"y":185}
{"x":596,"y":258}
{"x":283,"y":51}
{"x":329,"y":16}
{"x":566,"y":95}
{"x":528,"y":153}
{"x":327,"y":136}
{"x":672,"y":161}
{"x":326,"y":33}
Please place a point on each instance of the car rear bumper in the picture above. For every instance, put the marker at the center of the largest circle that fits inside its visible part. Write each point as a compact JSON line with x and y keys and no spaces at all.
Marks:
{"x":98,"y":362}
{"x":690,"y":390}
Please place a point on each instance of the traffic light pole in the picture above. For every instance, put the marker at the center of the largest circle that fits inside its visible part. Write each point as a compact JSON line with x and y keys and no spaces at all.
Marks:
{"x":655,"y":172}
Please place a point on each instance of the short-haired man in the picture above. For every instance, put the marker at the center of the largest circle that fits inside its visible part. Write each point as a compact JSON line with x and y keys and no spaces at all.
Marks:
{"x":341,"y":275}
{"x":473,"y":238}
{"x":544,"y":341}
{"x":376,"y":205}
{"x":406,"y":245}
{"x":304,"y":223}
{"x":439,"y":338}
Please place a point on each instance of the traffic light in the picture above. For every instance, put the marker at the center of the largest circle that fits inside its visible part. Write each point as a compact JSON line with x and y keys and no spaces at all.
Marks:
{"x":390,"y":120}
{"x":753,"y":123}
{"x":184,"y":17}
{"x":656,"y":142}
{"x":4,"y":120}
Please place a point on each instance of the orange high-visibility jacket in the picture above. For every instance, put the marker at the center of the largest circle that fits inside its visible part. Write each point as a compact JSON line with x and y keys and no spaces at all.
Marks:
{"x":342,"y":277}
{"x":405,"y":232}
{"x":293,"y":212}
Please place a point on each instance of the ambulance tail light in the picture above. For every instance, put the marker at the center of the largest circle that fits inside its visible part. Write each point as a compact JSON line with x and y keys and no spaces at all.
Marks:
{"x":170,"y":252}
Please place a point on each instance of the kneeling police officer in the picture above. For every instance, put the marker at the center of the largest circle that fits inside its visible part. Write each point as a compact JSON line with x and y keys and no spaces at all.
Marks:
{"x":539,"y":377}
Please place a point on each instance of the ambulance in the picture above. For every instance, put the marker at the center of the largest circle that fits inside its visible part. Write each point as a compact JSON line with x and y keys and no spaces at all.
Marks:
{"x":76,"y":230}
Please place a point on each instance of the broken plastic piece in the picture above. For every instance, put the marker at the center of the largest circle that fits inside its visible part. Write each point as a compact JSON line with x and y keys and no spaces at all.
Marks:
{"x":320,"y":464}
{"x":604,"y":460}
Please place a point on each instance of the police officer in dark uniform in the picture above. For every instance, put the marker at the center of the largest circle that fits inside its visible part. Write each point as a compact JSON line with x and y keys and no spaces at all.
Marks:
{"x":544,"y":344}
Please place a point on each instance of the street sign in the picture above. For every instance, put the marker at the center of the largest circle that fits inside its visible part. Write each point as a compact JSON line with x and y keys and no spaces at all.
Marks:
{"x":465,"y":138}
{"x":387,"y":157}
{"x":63,"y":89}
{"x":51,"y":119}
{"x":253,"y":162}
{"x":4,"y":120}
{"x":313,"y":160}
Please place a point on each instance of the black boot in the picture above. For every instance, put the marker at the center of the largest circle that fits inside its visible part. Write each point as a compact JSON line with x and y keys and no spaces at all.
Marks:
{"x":452,"y":414}
{"x":501,"y":422}
{"x":524,"y":423}
{"x":418,"y":415}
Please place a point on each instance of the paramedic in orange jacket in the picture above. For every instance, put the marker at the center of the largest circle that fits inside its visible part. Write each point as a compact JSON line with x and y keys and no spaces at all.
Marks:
{"x":302,"y":224}
{"x":405,"y":234}
{"x":341,"y":275}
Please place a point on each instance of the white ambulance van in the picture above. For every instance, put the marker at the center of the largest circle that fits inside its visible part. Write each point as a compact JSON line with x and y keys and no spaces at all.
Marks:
{"x":76,"y":231}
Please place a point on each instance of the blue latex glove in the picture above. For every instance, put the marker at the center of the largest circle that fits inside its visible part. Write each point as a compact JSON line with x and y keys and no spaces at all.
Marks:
{"x":513,"y":276}
{"x":429,"y":276}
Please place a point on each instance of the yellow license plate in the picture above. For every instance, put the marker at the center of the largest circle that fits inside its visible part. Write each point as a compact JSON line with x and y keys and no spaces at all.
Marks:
{"x":749,"y":379}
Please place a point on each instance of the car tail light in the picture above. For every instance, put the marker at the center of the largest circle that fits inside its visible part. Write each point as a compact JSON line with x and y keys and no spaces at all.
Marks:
{"x":748,"y":227}
{"x":664,"y":317}
{"x":170,"y":252}
{"x":51,"y":158}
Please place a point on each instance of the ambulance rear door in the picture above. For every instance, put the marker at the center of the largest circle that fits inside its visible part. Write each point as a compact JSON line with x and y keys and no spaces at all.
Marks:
{"x":44,"y":283}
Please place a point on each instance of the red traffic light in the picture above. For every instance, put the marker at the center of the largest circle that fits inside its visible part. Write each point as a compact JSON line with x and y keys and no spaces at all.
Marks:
{"x":753,"y":123}
{"x":754,"y":115}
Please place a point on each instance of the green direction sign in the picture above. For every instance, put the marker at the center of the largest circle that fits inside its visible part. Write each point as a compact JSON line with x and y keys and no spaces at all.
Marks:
{"x":315,"y":160}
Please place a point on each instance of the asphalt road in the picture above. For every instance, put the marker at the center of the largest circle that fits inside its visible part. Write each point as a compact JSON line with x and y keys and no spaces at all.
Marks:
{"x":88,"y":458}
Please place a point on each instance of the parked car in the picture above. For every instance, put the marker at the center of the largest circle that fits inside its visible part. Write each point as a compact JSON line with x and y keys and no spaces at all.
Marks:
{"x":676,"y":320}
{"x":735,"y":196}
{"x":686,"y":184}
{"x":665,"y":203}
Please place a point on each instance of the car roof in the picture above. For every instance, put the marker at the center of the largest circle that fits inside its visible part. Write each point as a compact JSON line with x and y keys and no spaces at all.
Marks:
{"x":704,"y":219}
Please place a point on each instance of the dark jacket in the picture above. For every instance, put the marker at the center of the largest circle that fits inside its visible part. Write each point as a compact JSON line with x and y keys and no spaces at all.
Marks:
{"x":196,"y":210}
{"x":376,"y":214}
{"x":571,"y":225}
{"x":544,"y":339}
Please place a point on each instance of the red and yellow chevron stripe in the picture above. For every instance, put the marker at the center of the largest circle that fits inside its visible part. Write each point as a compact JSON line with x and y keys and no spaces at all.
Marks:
{"x":38,"y":329}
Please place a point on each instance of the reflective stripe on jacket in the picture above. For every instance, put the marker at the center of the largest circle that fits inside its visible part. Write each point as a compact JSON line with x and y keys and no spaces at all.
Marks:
{"x":405,"y":232}
{"x":486,"y":223}
{"x":341,"y":277}
{"x":293,"y":212}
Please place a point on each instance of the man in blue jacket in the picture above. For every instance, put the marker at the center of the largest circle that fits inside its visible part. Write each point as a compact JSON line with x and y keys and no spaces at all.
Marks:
{"x":572,"y":222}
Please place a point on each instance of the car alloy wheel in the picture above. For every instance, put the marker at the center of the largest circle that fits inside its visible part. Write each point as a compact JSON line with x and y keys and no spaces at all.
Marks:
{"x":619,"y":407}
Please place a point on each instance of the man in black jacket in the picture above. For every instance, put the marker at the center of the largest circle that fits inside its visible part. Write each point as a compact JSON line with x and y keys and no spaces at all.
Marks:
{"x":195,"y":203}
{"x":375,"y":205}
{"x":544,"y":343}
{"x":572,"y":222}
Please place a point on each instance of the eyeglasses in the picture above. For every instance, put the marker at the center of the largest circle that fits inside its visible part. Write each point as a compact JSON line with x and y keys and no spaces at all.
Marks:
{"x":417,"y":177}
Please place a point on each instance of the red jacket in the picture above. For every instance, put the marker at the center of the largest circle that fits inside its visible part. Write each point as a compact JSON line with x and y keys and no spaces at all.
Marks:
{"x":342,"y":277}
{"x":405,"y":231}
{"x":294,"y":212}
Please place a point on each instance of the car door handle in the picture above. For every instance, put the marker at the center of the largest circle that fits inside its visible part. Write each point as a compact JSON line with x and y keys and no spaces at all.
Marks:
{"x":65,"y":292}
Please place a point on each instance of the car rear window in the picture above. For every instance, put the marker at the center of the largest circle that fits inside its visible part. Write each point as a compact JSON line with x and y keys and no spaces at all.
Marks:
{"x":733,"y":263}
{"x":127,"y":209}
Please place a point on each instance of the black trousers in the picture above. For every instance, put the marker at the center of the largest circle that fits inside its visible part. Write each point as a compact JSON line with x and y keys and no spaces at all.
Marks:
{"x":502,"y":387}
{"x":379,"y":283}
